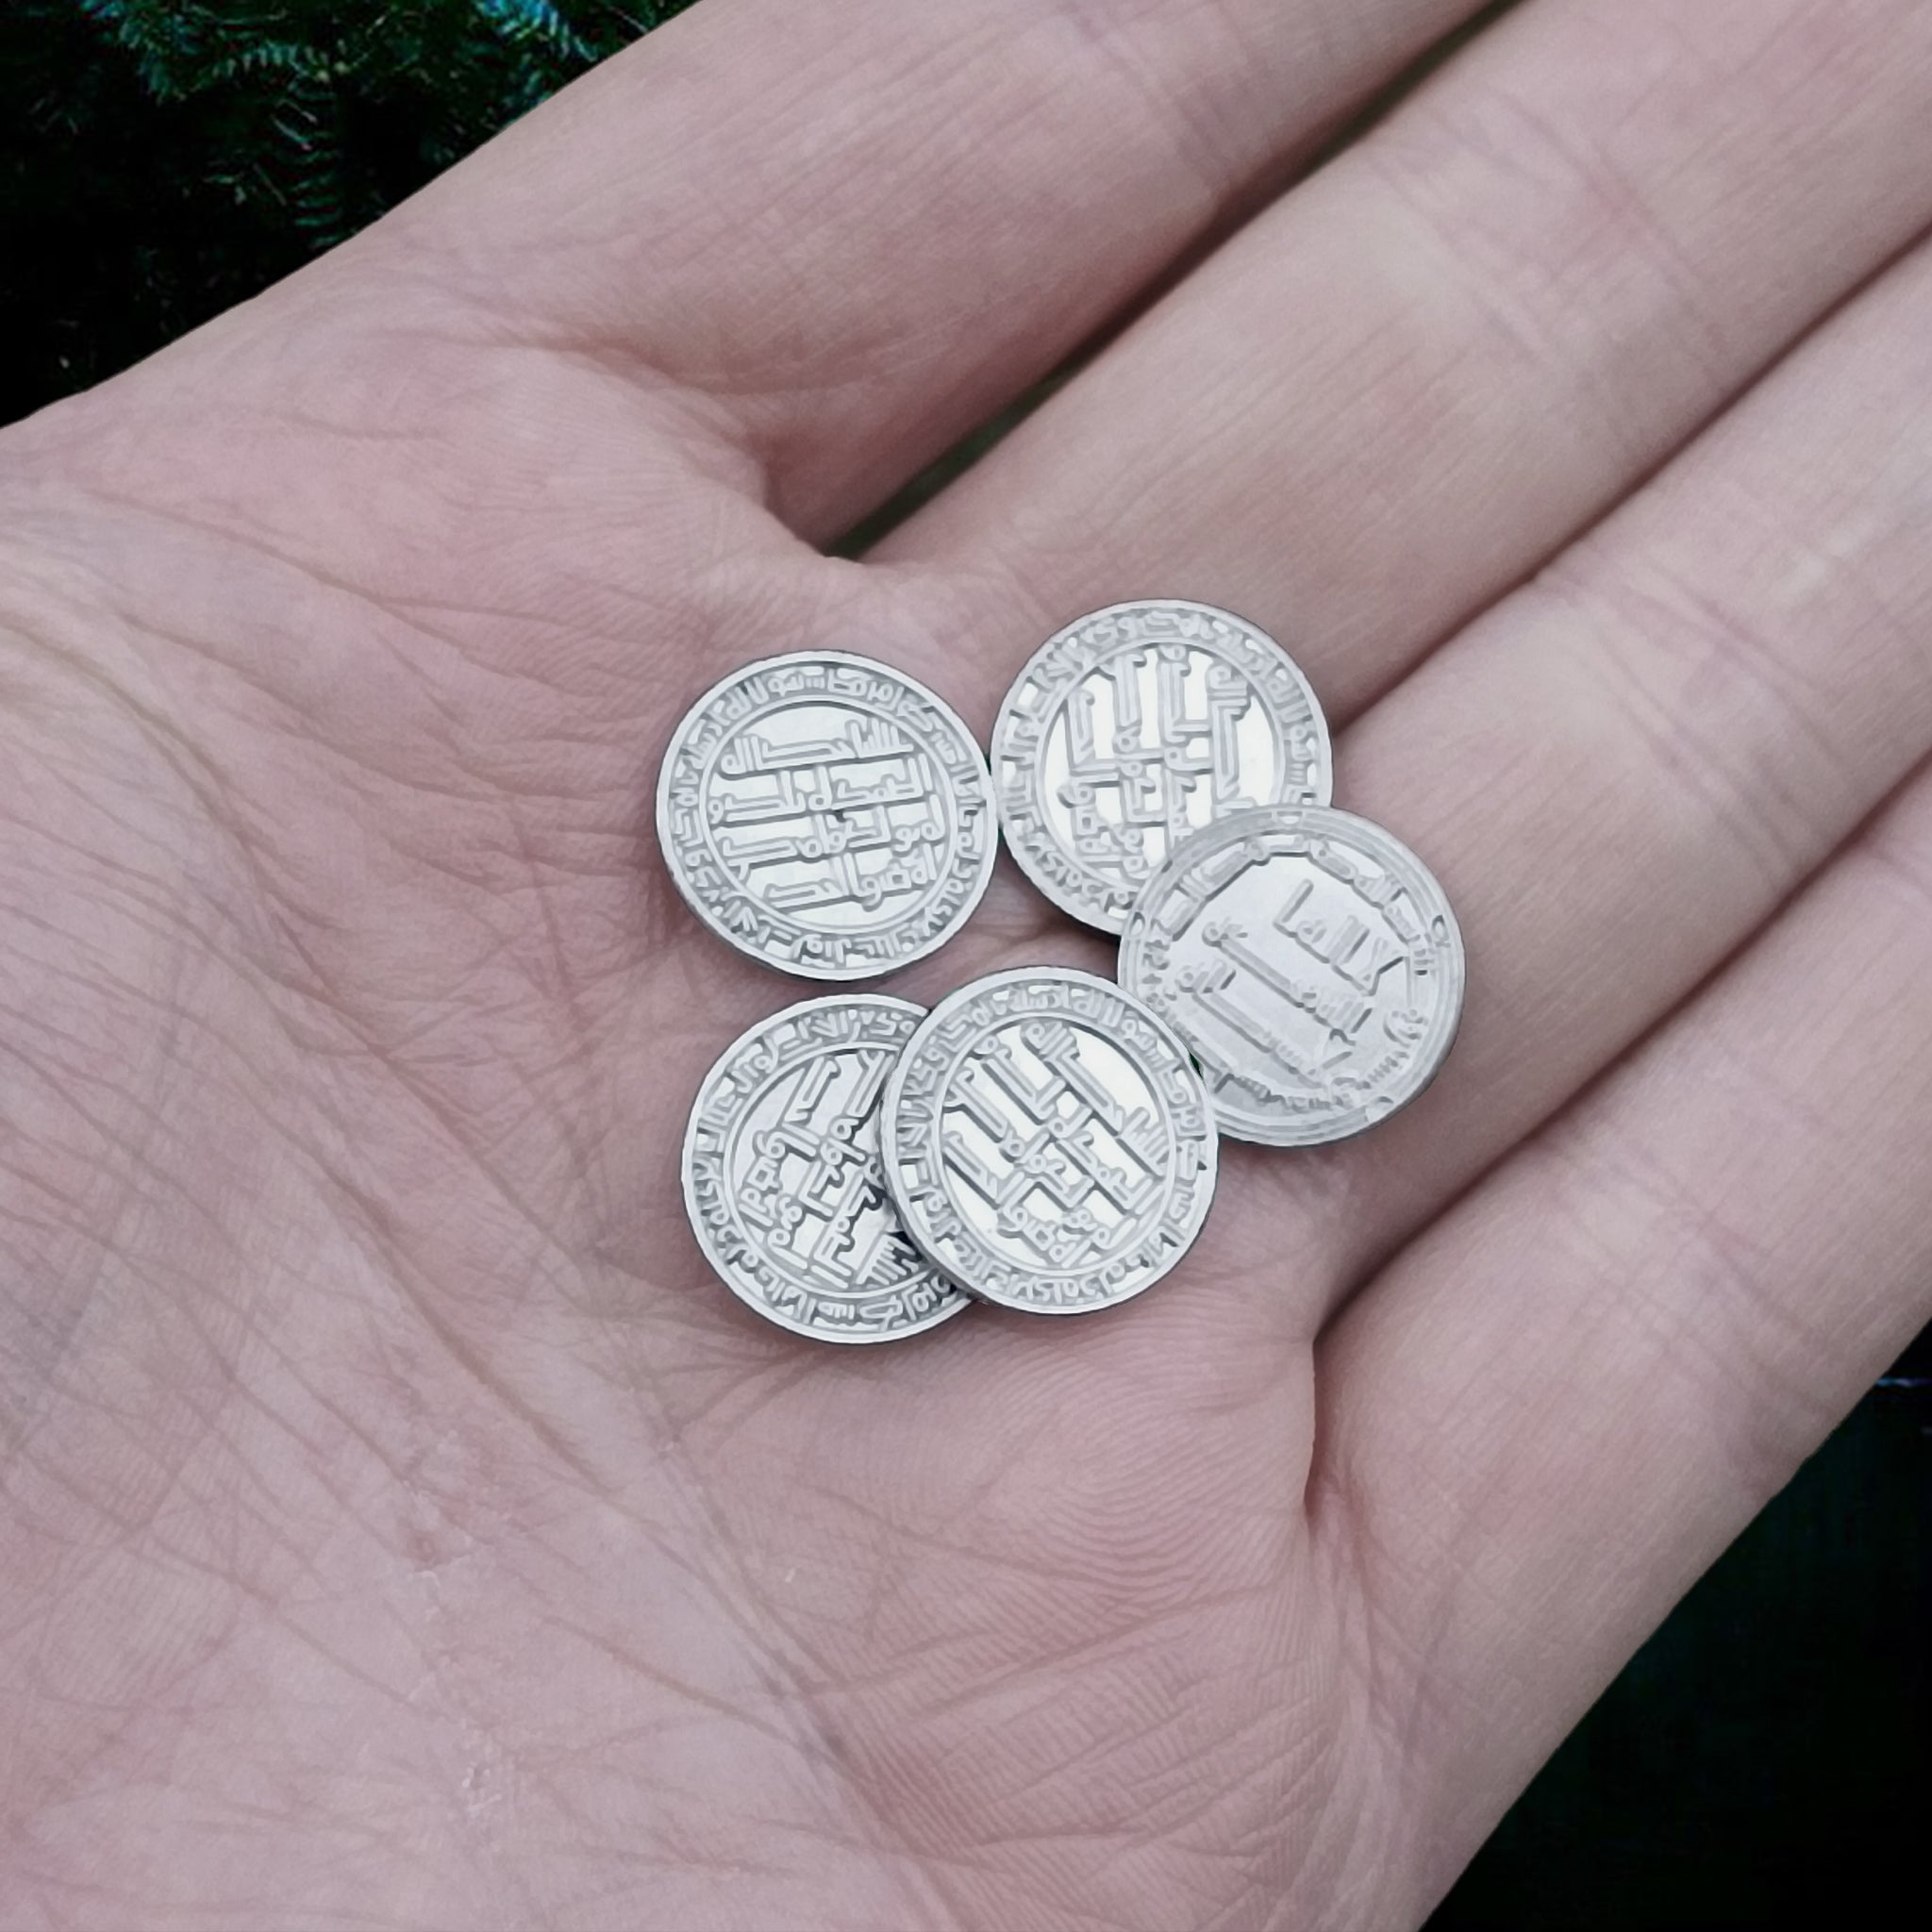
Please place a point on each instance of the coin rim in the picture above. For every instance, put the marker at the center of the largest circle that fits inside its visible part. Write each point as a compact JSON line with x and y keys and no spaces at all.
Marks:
{"x":846,"y":975}
{"x":1206,"y":1179}
{"x":1068,"y":902}
{"x":1242,"y":825}
{"x":725,"y":1271}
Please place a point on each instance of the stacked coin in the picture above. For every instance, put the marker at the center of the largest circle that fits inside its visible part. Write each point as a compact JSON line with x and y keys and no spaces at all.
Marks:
{"x":857,"y":1170}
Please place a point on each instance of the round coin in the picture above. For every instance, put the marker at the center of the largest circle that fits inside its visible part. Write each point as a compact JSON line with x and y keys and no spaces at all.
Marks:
{"x":826,"y":814}
{"x":1311,"y":962}
{"x":783,"y":1180}
{"x":1048,"y":1142}
{"x":1135,"y":725}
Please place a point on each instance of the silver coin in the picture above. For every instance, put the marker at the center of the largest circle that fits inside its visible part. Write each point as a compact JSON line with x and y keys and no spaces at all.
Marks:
{"x":1310,"y":960}
{"x":783,"y":1180}
{"x":1048,"y":1142}
{"x":1135,"y":725}
{"x":826,"y":814}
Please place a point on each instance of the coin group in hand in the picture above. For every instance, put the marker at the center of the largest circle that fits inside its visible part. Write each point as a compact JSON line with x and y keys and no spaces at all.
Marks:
{"x":859,"y":1170}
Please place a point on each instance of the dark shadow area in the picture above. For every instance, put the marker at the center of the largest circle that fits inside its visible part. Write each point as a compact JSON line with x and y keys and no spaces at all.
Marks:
{"x":1764,"y":1760}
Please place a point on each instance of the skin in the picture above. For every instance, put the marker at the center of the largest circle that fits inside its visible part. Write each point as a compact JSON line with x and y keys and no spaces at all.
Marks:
{"x":400,"y":1526}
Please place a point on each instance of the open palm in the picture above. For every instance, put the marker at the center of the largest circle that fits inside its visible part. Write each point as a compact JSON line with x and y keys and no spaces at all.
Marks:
{"x":401,"y":1528}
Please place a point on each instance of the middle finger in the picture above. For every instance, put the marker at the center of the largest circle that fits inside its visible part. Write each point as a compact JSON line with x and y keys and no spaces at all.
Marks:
{"x":1394,"y":394}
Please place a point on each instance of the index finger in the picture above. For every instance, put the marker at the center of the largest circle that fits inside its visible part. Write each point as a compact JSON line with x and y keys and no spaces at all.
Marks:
{"x":858,"y":227}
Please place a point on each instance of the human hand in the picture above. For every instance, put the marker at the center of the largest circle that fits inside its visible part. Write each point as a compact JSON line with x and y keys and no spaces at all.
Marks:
{"x":402,"y":1528}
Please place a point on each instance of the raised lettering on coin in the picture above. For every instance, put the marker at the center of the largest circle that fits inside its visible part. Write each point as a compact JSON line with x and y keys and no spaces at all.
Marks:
{"x":783,"y":1180}
{"x":1311,"y":961}
{"x":1135,"y":725}
{"x":827,"y":815}
{"x":1048,"y":1142}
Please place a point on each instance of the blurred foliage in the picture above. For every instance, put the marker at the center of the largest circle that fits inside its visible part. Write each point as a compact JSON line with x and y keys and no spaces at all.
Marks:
{"x":161,"y":159}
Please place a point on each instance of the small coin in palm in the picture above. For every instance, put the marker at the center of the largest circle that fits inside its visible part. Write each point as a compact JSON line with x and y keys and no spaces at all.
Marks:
{"x":1048,"y":1141}
{"x":1136,"y":724}
{"x":827,"y":815}
{"x":1311,"y":961}
{"x":783,"y":1180}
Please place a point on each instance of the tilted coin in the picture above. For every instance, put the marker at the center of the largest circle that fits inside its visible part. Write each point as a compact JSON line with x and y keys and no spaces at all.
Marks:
{"x":1310,"y":960}
{"x":783,"y":1180}
{"x":826,"y":814}
{"x":1135,"y":725}
{"x":1048,"y":1142}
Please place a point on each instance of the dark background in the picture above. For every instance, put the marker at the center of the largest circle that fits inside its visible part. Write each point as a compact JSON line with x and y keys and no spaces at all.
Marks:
{"x":1764,"y":1760}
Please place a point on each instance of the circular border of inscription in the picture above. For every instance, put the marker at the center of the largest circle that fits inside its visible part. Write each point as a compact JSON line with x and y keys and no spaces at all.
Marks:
{"x":934,"y":1054}
{"x":1051,"y":676}
{"x":738,"y":916}
{"x":757,"y":1058}
{"x":1286,"y":827}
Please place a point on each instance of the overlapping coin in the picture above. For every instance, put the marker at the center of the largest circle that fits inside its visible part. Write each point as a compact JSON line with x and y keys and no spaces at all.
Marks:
{"x":1311,"y":963}
{"x":827,"y":815}
{"x":1139,"y":724}
{"x":784,"y":1184}
{"x":1048,"y":1142}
